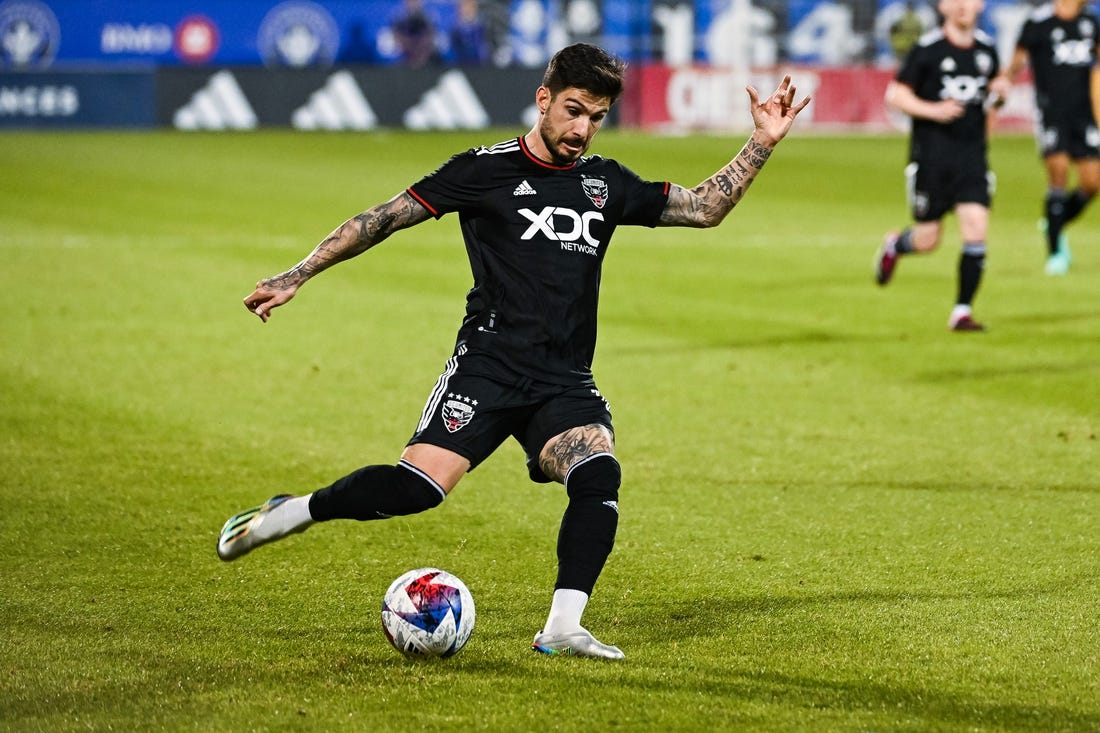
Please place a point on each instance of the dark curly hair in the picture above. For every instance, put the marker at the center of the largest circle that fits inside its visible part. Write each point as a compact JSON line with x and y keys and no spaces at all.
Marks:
{"x":587,"y":67}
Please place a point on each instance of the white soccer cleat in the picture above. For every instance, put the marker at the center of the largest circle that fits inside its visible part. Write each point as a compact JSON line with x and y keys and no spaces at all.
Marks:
{"x":240,"y":533}
{"x":575,"y":644}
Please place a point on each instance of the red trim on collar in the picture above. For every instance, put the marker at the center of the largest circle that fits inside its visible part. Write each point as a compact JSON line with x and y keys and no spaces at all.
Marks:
{"x":540,"y":161}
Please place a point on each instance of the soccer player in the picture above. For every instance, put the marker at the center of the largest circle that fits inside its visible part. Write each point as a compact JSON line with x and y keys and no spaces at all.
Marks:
{"x":536,"y":215}
{"x":1060,"y":40}
{"x":944,"y":84}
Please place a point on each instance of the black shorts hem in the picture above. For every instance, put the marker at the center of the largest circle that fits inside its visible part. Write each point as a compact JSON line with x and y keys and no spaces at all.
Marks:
{"x":453,"y":448}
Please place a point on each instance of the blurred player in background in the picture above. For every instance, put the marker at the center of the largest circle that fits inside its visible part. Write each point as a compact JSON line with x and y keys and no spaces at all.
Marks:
{"x":945,"y":84}
{"x":1060,"y":40}
{"x":469,"y":36}
{"x":414,"y":32}
{"x":906,"y":31}
{"x":536,"y":215}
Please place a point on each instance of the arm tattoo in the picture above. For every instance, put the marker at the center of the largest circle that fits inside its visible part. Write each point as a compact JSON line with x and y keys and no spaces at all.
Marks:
{"x":574,"y":445}
{"x":724,"y":183}
{"x":354,"y":237}
{"x":755,"y":153}
{"x":707,"y":204}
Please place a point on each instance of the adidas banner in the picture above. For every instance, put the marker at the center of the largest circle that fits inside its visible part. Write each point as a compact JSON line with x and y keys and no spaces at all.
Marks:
{"x":244,"y":98}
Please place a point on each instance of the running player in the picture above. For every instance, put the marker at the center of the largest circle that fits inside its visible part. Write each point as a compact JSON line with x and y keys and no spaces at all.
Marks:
{"x":1060,"y":41}
{"x":537,"y":216}
{"x":945,"y":84}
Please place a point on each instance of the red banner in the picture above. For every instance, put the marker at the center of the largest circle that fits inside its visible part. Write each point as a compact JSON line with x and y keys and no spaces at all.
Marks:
{"x":697,"y":98}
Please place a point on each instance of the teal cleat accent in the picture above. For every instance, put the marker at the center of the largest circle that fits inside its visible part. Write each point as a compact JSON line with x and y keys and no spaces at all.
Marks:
{"x":1058,"y":263}
{"x":575,"y":644}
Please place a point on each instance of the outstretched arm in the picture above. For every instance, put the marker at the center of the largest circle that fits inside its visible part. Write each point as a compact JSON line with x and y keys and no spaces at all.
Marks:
{"x":707,"y":204}
{"x":354,"y":237}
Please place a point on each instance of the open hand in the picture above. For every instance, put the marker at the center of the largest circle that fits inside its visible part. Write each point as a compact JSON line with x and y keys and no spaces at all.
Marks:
{"x":774,"y":115}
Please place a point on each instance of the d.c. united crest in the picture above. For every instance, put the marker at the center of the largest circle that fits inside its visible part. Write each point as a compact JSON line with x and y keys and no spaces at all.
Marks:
{"x":456,"y":412}
{"x":596,"y":190}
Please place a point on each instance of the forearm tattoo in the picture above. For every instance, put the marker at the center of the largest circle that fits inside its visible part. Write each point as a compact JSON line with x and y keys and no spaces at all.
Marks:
{"x":755,"y":153}
{"x":574,"y":445}
{"x":353,"y":237}
{"x":709,"y":202}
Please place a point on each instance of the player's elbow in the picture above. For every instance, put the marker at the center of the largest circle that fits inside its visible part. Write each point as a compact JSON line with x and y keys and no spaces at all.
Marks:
{"x":712,"y":218}
{"x":894,"y":98}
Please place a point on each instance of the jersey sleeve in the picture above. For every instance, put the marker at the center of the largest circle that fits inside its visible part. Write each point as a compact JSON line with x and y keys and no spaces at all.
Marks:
{"x":909,"y":73}
{"x":1096,"y":24}
{"x":452,"y":186}
{"x":1026,"y":39}
{"x":644,"y":200}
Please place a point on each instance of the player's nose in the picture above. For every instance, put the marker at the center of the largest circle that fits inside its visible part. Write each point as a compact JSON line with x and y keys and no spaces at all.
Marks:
{"x":583,"y":127}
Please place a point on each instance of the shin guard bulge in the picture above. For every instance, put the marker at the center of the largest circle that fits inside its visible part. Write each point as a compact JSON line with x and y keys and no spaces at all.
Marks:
{"x":377,"y":492}
{"x":591,"y":518}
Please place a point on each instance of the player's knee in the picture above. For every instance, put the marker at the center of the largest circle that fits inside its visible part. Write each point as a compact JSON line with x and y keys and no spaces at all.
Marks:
{"x":414,"y":492}
{"x":597,"y":477}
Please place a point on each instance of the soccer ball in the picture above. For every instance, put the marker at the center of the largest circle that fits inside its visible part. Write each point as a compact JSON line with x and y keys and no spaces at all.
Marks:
{"x":428,"y":612}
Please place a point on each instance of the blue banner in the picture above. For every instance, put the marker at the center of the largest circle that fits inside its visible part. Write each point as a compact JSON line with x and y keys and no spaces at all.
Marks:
{"x":293,"y":33}
{"x":77,"y":99}
{"x":57,"y":34}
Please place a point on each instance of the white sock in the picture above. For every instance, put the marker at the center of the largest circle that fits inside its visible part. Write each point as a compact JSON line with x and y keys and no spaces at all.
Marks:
{"x":290,"y":516}
{"x":565,"y":611}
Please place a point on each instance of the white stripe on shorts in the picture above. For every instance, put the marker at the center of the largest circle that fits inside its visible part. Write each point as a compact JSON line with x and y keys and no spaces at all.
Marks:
{"x":439,"y":390}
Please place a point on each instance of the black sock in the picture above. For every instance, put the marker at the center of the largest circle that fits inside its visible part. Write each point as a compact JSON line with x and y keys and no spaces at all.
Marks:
{"x":904,"y":243}
{"x":376,"y":492}
{"x":1055,"y":209}
{"x":1075,"y":204}
{"x":591,"y":519}
{"x":971,"y":265}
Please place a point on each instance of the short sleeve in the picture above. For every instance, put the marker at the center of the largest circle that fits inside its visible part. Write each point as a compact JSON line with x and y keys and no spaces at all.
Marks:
{"x":644,"y":200}
{"x":909,"y":73}
{"x":1026,"y":39}
{"x":452,"y":186}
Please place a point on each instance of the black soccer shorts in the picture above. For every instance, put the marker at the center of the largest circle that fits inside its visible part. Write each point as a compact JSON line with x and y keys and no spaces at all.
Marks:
{"x":1080,"y":139}
{"x":936,"y":188}
{"x":473,"y":415}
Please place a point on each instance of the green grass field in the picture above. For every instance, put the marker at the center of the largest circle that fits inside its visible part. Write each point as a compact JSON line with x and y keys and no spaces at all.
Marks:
{"x":837,"y":515}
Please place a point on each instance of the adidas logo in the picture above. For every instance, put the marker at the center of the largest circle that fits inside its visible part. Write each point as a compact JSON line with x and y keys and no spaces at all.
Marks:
{"x":338,"y":105}
{"x":450,"y":104}
{"x":220,"y":105}
{"x":524,"y":189}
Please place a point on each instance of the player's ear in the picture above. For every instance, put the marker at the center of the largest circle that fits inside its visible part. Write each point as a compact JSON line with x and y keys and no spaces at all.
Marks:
{"x":542,"y":99}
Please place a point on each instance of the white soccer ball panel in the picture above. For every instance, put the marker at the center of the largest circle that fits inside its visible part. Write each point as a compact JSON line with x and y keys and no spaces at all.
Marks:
{"x":428,"y":612}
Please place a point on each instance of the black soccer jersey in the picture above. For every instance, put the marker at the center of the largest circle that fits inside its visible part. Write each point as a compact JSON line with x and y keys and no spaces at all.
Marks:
{"x":1062,"y":54}
{"x":536,"y":235}
{"x":935,"y":69}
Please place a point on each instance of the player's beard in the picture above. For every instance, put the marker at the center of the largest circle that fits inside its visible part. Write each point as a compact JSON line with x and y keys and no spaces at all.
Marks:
{"x":553,"y":145}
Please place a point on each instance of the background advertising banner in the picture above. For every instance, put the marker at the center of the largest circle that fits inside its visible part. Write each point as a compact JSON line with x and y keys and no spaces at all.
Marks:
{"x":357,"y":98}
{"x":76,"y":99}
{"x":691,"y":59}
{"x":37,"y":34}
{"x":706,"y":98}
